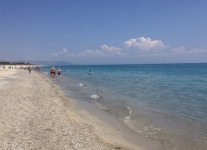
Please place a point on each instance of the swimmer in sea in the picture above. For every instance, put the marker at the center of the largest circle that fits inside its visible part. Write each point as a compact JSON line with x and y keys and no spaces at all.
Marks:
{"x":90,"y":72}
{"x":52,"y":72}
{"x":59,"y":72}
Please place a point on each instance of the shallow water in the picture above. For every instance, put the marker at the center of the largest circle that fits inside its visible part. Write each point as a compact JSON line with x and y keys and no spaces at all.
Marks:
{"x":166,"y":103}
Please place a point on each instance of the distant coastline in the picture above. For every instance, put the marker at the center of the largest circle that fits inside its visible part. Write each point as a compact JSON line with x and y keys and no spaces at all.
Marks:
{"x":74,"y":64}
{"x":14,"y":63}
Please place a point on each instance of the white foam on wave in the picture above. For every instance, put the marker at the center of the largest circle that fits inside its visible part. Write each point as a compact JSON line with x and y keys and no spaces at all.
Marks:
{"x":81,"y":84}
{"x":45,"y":72}
{"x":128,"y":117}
{"x":152,"y":132}
{"x":147,"y":131}
{"x":129,"y":122}
{"x":94,"y":96}
{"x":151,"y":128}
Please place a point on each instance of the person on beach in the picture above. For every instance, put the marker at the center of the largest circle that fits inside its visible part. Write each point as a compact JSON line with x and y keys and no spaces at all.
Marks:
{"x":59,"y":72}
{"x":29,"y":69}
{"x":52,"y":72}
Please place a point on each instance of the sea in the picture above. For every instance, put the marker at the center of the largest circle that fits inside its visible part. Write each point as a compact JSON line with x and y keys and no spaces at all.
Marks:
{"x":166,"y":103}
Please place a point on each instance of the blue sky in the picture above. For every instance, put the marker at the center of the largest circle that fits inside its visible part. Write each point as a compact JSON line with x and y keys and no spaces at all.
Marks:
{"x":104,"y":31}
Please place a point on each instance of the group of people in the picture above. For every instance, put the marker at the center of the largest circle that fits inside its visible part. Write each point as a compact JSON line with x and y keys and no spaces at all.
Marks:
{"x":53,"y":72}
{"x":37,"y":68}
{"x":29,"y":68}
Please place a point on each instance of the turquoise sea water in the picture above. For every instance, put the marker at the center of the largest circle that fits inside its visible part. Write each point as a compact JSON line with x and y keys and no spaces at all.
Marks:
{"x":164,"y":102}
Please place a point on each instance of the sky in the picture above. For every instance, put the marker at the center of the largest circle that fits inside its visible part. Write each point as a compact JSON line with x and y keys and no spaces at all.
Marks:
{"x":104,"y":31}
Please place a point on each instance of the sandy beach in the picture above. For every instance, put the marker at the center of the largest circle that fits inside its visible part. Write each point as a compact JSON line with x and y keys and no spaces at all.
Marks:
{"x":35,"y":114}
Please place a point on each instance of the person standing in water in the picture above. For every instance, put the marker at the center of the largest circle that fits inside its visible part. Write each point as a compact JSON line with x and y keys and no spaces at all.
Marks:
{"x":59,"y":72}
{"x":52,"y":72}
{"x":37,"y":68}
{"x":90,"y":72}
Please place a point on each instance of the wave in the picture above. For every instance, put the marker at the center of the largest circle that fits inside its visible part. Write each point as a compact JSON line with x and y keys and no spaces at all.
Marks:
{"x":152,"y":129}
{"x":81,"y":84}
{"x":128,"y":117}
{"x":94,"y":96}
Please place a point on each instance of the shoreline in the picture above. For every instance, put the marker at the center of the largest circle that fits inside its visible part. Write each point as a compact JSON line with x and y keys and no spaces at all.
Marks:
{"x":36,"y":112}
{"x":104,"y":125}
{"x":108,"y":128}
{"x":113,"y":131}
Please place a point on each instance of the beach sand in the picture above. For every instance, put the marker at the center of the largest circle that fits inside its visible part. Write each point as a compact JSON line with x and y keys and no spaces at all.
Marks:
{"x":35,"y":114}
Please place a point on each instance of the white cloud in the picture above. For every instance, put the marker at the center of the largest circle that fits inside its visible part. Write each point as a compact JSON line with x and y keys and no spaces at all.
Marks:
{"x":110,"y":49}
{"x":62,"y":52}
{"x":143,"y":47}
{"x":197,"y":50}
{"x":91,"y":53}
{"x":181,"y":49}
{"x":184,"y":50}
{"x":144,"y":43}
{"x":55,"y":54}
{"x":104,"y":51}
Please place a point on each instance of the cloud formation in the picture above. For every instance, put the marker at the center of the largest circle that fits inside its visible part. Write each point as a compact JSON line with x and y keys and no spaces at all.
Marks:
{"x":180,"y":49}
{"x":105,"y":50}
{"x":184,"y":50}
{"x":90,"y":53}
{"x":110,"y":49}
{"x":60,"y":53}
{"x":136,"y":48}
{"x":144,"y":43}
